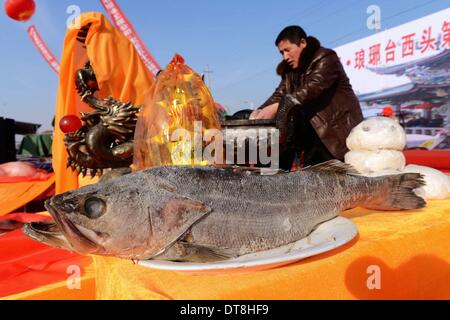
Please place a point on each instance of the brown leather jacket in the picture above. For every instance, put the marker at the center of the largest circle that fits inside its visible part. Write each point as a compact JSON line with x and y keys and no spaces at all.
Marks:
{"x":323,"y":91}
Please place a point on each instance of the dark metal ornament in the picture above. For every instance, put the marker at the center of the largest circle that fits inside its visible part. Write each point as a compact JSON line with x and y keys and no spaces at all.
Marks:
{"x":105,"y":139}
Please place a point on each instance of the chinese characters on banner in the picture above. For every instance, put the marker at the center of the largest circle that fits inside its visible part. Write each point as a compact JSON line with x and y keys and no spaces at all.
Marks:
{"x":123,"y":24}
{"x":393,"y":51}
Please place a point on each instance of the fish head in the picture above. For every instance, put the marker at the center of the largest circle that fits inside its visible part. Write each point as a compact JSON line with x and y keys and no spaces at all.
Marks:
{"x":118,"y":218}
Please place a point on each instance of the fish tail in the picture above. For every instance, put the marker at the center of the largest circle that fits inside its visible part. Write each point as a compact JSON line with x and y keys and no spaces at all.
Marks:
{"x":399,"y":194}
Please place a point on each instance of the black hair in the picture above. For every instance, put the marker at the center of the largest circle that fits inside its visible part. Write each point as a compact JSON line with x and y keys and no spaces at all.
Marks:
{"x":292,"y":33}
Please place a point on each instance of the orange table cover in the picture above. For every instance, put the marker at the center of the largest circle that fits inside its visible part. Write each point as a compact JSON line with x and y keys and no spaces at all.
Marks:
{"x":410,"y":248}
{"x":60,"y":290}
{"x":17,"y":194}
{"x":26,"y":264}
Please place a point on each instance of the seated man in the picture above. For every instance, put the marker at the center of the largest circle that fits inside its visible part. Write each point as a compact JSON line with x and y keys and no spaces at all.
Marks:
{"x":314,"y":102}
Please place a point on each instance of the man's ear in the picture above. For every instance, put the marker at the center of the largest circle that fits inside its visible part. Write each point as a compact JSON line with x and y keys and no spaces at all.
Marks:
{"x":303,"y":43}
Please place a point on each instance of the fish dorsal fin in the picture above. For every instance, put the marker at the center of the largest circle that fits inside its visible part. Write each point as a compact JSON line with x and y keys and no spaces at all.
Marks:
{"x":257,"y":171}
{"x":335,"y":166}
{"x":251,"y":170}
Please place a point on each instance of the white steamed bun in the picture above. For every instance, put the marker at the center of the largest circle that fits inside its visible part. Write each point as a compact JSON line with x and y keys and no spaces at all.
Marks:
{"x":377,"y":133}
{"x":368,"y":162}
{"x":437,"y":183}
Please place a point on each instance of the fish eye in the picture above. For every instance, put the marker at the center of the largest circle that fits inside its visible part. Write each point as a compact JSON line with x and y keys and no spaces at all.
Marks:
{"x":94,"y":208}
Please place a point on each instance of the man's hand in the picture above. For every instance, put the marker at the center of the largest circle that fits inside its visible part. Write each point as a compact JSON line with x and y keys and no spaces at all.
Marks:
{"x":268,"y":113}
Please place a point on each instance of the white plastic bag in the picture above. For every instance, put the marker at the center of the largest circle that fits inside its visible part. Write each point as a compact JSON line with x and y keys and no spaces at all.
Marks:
{"x":368,"y":162}
{"x":377,"y":133}
{"x":437,"y":183}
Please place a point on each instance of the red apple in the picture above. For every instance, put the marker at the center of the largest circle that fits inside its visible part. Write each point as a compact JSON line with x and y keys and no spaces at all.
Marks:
{"x":70,"y":124}
{"x":20,"y":10}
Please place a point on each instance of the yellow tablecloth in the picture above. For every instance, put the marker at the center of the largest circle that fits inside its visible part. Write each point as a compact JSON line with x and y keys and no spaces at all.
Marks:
{"x":399,"y":255}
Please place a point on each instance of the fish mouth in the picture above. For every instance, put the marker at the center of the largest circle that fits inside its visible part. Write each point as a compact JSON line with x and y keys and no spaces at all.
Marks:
{"x":60,"y":233}
{"x":48,"y":233}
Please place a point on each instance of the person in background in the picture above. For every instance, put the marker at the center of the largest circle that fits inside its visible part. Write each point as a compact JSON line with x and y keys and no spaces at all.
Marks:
{"x":314,"y":106}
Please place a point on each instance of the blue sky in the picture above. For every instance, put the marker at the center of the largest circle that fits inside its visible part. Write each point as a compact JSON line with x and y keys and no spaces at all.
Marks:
{"x":234,"y":38}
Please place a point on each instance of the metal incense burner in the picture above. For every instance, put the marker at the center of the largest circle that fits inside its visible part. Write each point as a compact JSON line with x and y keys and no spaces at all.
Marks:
{"x":250,"y":142}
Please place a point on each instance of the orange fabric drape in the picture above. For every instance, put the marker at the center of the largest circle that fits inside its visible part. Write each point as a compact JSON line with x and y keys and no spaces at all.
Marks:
{"x":60,"y":290}
{"x":18,"y":194}
{"x":410,"y":248}
{"x":26,"y":264}
{"x":41,"y":176}
{"x":120,"y":74}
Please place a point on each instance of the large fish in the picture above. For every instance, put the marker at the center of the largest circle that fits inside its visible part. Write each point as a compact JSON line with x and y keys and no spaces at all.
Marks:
{"x":209,"y":213}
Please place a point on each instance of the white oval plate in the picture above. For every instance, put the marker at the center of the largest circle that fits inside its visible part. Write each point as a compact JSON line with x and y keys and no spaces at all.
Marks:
{"x":328,"y":236}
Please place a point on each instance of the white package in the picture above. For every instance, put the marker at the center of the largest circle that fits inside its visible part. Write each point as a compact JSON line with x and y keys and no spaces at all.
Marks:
{"x":368,"y":162}
{"x":377,"y":133}
{"x":437,"y":183}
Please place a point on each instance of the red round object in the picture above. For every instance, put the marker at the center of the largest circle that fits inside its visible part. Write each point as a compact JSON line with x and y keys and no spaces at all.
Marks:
{"x":387,"y":111}
{"x":20,"y":10}
{"x":70,"y":124}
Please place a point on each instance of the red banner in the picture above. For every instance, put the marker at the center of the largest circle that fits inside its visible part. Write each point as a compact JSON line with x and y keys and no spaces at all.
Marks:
{"x":43,"y":49}
{"x":123,"y":24}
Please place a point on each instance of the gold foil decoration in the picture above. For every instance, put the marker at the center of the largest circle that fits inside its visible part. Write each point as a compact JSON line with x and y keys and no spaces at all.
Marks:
{"x":178,"y":115}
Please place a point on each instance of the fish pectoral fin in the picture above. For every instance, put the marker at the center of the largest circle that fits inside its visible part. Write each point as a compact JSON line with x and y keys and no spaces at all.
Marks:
{"x":182,"y":212}
{"x":335,"y":166}
{"x":188,"y":252}
{"x":199,"y":253}
{"x":169,"y":222}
